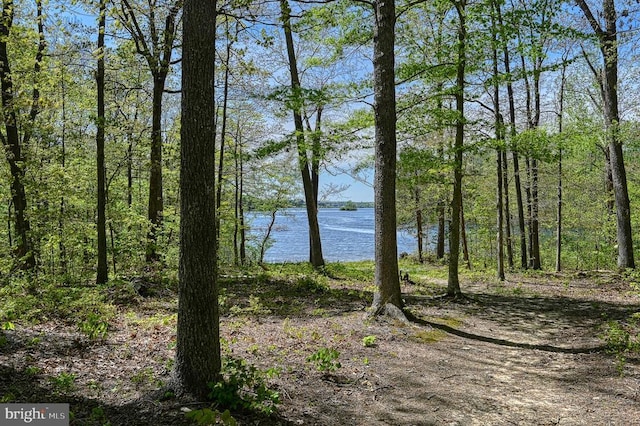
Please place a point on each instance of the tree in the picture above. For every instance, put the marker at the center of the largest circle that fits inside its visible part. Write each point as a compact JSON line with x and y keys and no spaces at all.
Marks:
{"x":198,"y":360}
{"x":387,"y":297}
{"x":102,"y":275}
{"x":504,"y":36}
{"x":453,"y":284}
{"x":13,"y":141}
{"x":310,"y":190}
{"x":156,"y":47}
{"x":607,"y":36}
{"x":499,"y":129}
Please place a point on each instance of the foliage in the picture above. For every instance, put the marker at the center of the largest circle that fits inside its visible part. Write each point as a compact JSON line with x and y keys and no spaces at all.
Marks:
{"x":243,"y":386}
{"x":325,"y":359}
{"x":64,"y":382}
{"x":621,"y":339}
{"x":207,"y":416}
{"x":368,"y":341}
{"x":94,"y":326}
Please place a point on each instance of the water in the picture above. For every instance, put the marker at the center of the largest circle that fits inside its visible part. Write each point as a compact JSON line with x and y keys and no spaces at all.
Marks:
{"x":346,"y":235}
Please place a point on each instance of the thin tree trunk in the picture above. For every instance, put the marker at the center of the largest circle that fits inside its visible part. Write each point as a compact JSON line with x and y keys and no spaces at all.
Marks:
{"x":419,"y":225}
{"x":507,"y":210}
{"x":223,"y":130}
{"x":499,"y":149}
{"x":236,"y":201}
{"x":442,"y":205}
{"x":463,"y":238}
{"x":453,"y":285}
{"x":156,"y":203}
{"x":63,"y":159}
{"x":156,"y":47}
{"x":315,"y":250}
{"x":559,"y":205}
{"x":512,"y":134}
{"x":103,"y":268}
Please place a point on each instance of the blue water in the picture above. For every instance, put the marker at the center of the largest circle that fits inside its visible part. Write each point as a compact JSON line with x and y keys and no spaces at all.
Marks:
{"x":346,"y":235}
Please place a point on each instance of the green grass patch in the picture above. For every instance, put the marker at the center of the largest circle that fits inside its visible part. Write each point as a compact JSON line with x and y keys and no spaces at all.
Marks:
{"x":428,"y":336}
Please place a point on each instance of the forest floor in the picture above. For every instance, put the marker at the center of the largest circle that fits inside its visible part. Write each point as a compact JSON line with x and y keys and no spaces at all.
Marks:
{"x":543,"y":349}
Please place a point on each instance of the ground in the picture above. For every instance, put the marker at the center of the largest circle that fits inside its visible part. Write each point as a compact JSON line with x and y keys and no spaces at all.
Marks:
{"x":529,"y":351}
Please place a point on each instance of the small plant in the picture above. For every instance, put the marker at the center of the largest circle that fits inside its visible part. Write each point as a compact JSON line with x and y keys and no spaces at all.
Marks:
{"x":244,"y":386}
{"x":325,"y":360}
{"x":98,"y":415}
{"x":32,"y":370}
{"x":620,"y":342}
{"x":145,"y":376}
{"x":94,"y":327}
{"x":310,"y":284}
{"x":63,"y":382}
{"x":207,"y":416}
{"x":368,"y":341}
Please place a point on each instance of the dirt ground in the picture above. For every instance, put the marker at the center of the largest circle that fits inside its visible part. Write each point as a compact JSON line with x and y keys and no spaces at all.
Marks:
{"x":529,"y":351}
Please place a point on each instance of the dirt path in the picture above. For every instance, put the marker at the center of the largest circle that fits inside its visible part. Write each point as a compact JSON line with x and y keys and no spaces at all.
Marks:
{"x":524,"y":353}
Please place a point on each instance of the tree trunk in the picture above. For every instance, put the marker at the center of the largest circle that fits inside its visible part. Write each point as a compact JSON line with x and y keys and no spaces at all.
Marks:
{"x":453,"y":285}
{"x":512,"y":134}
{"x":441,"y":207}
{"x":559,"y":206}
{"x":419,"y":230}
{"x":223,"y":129}
{"x":499,"y":148}
{"x":103,"y":269}
{"x":198,"y":360}
{"x":156,"y":204}
{"x":24,"y":249}
{"x":387,"y":279}
{"x":507,"y":210}
{"x":315,"y":245}
{"x":609,"y":48}
{"x":156,"y":47}
{"x":536,"y":262}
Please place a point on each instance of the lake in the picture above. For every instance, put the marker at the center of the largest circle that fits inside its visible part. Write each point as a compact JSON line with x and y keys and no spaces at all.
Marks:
{"x":346,"y":235}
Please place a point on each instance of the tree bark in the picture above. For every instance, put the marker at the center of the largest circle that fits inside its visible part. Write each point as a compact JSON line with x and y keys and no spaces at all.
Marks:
{"x":607,"y":38}
{"x":315,"y":244}
{"x":499,"y":148}
{"x":198,"y":359}
{"x":419,"y":225}
{"x":223,"y":129}
{"x":453,"y":285}
{"x":512,"y":134}
{"x":103,"y":270}
{"x":387,"y":278}
{"x":24,"y":251}
{"x":156,"y":47}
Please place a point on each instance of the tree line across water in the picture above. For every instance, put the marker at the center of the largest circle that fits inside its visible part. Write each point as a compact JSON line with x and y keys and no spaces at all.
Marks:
{"x":139,"y":140}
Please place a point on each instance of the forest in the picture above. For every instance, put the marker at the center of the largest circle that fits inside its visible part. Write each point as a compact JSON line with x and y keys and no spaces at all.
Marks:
{"x":140,"y":137}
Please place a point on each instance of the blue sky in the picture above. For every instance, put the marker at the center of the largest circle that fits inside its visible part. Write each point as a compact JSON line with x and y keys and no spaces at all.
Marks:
{"x":357,"y":191}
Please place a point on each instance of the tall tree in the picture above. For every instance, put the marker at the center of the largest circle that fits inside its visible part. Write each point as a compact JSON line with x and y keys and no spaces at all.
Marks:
{"x":156,"y":46}
{"x":387,"y":298}
{"x":198,"y":360}
{"x":453,"y":284}
{"x":310,"y":194}
{"x":504,"y":37}
{"x":607,"y":36}
{"x":17,"y":137}
{"x":102,"y":274}
{"x":499,"y":129}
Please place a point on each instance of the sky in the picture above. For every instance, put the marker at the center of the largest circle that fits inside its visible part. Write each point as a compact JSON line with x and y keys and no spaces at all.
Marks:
{"x":357,"y":191}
